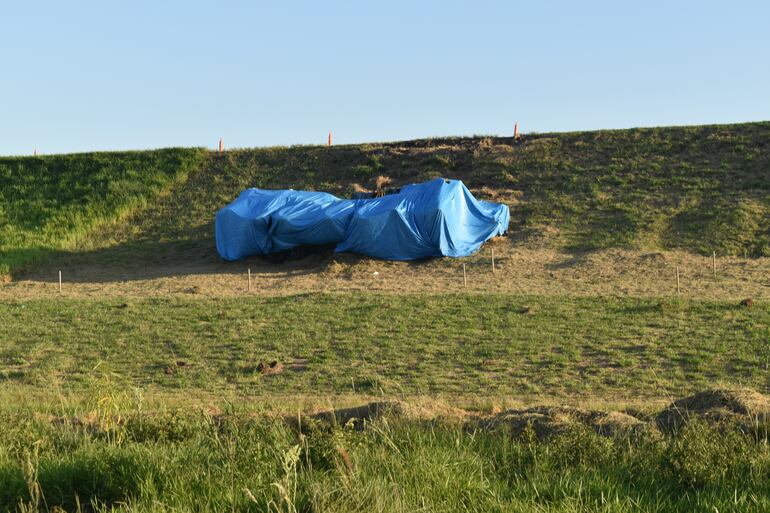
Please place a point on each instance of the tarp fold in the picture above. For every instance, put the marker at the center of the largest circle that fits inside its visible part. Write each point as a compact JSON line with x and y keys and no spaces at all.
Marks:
{"x":436,"y":218}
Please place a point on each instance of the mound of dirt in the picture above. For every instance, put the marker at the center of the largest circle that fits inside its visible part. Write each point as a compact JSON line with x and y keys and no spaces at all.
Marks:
{"x":548,"y":421}
{"x":267,"y":369}
{"x":545,"y":421}
{"x":744,"y":406}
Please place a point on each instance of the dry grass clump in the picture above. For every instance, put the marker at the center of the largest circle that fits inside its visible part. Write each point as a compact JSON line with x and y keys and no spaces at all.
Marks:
{"x":548,"y":421}
{"x":381,"y":181}
{"x":742,"y":405}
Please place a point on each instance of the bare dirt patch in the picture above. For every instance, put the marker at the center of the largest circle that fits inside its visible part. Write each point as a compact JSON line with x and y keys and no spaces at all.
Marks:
{"x":269,"y":368}
{"x":528,"y":266}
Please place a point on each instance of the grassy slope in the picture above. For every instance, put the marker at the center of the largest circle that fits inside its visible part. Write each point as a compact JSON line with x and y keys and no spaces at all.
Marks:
{"x":462,"y":345}
{"x":702,"y":189}
{"x":49,"y":203}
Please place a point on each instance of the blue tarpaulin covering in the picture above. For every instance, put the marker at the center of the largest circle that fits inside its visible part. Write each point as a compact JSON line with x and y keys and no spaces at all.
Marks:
{"x":436,"y":218}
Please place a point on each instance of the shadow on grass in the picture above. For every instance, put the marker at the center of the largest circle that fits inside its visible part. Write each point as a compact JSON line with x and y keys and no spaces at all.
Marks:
{"x":145,"y":259}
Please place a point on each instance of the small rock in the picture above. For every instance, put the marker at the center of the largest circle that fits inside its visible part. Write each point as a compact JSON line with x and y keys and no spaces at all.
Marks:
{"x":748,"y":302}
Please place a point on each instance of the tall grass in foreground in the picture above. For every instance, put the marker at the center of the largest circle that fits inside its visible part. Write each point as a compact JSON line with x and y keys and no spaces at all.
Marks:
{"x":192,"y":462}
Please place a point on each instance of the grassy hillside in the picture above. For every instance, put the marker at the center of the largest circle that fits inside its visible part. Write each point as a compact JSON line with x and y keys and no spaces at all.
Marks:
{"x":50,"y":202}
{"x":701,"y":189}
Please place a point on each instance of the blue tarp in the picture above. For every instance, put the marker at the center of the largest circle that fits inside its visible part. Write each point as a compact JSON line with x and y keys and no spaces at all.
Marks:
{"x":436,"y":218}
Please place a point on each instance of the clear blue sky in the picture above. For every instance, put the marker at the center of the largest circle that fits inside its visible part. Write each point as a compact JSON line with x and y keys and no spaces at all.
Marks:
{"x":111,"y":74}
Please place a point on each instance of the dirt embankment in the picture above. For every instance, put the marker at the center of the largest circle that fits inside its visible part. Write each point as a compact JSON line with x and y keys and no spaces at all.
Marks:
{"x":745,"y":408}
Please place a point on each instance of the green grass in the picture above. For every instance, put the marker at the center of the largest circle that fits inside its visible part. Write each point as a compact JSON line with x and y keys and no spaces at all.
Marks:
{"x":456,"y":345}
{"x":50,"y":203}
{"x":699,"y":188}
{"x":694,"y":188}
{"x":176,"y":461}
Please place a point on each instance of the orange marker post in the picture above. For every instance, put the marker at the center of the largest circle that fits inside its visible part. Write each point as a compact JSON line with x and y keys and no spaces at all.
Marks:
{"x":221,"y":145}
{"x":330,"y":137}
{"x":516,"y":130}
